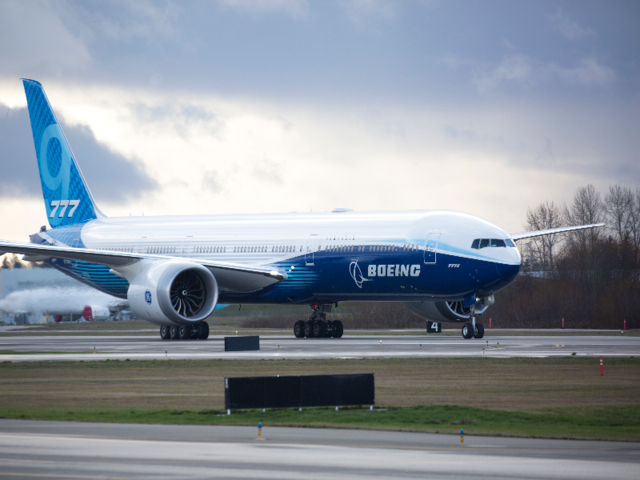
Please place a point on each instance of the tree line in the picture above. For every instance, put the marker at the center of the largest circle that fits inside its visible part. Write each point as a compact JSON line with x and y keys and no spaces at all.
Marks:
{"x":589,"y":277}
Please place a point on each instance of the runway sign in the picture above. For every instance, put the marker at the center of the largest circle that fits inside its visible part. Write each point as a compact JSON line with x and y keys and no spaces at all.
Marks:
{"x":434,"y":327}
{"x":299,"y":391}
{"x":240,"y":344}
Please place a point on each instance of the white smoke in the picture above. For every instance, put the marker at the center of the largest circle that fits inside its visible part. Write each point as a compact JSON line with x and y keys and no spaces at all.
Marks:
{"x":58,"y":301}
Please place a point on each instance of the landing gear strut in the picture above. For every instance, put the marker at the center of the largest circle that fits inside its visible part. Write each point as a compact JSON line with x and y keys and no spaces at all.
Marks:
{"x":318,"y":326}
{"x":473,"y":329}
{"x":196,"y":331}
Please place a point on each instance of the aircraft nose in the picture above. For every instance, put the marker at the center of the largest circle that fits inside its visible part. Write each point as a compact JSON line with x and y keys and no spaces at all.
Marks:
{"x":509,"y":272}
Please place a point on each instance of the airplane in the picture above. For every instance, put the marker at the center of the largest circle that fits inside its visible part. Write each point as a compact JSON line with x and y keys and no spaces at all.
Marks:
{"x":59,"y":303}
{"x":174,"y":270}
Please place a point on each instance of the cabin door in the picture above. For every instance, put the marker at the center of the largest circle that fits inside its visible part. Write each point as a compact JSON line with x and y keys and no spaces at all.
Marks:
{"x":430,"y":247}
{"x":312,"y":243}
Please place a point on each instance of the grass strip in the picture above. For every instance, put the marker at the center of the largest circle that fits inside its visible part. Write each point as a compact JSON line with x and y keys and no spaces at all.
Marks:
{"x":559,"y":397}
{"x":620,"y":423}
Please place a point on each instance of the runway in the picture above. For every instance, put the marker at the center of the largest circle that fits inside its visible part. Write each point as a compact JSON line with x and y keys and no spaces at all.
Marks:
{"x":70,"y":348}
{"x":96,"y":451}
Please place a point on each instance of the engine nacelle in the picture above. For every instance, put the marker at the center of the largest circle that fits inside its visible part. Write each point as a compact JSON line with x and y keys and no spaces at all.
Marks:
{"x":449,"y":312}
{"x":174,"y":293}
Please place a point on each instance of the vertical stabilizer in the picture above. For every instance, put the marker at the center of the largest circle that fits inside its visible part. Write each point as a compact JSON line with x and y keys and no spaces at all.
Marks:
{"x":66,"y":196}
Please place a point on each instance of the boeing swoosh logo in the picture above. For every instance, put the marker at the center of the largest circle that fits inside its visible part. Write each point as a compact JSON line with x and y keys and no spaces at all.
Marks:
{"x":356,"y":274}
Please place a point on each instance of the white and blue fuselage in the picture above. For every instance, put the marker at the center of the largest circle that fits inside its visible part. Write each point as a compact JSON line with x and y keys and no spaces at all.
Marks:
{"x":327,"y":257}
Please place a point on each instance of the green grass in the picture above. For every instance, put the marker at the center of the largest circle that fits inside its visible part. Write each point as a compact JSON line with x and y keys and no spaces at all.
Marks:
{"x":594,"y":422}
{"x":559,"y":397}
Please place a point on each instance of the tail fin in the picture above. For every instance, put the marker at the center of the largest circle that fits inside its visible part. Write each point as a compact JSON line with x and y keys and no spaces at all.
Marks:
{"x":66,"y":196}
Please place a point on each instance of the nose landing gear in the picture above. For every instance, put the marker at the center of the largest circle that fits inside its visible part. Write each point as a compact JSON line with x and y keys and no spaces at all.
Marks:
{"x":473,"y":329}
{"x":318,"y":326}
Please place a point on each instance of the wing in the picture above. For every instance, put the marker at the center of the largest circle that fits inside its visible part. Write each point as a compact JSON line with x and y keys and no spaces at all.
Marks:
{"x":551,"y":231}
{"x":231,"y":277}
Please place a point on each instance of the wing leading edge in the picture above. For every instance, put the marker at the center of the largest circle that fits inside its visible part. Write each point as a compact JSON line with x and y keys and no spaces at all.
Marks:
{"x":551,"y":231}
{"x":230,"y":276}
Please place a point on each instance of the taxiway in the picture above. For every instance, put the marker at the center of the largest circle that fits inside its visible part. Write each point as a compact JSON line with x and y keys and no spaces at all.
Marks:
{"x":88,"y":451}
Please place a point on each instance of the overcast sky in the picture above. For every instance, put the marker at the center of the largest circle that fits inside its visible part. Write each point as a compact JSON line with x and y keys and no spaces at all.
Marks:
{"x":240,"y":106}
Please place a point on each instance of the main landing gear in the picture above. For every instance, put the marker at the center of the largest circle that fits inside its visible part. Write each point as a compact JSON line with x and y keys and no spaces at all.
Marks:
{"x":196,"y":331}
{"x":318,"y":326}
{"x":473,"y":329}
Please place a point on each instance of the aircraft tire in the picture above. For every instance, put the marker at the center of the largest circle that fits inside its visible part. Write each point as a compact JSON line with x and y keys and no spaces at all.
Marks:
{"x":196,"y":331}
{"x":331,"y":329}
{"x":308,"y":328}
{"x":174,"y":334}
{"x":298,"y":329}
{"x":165,"y":332}
{"x":205,"y":331}
{"x":319,"y":329}
{"x":339,"y":329}
{"x":479,"y":333}
{"x":184,"y":332}
{"x":467,"y":331}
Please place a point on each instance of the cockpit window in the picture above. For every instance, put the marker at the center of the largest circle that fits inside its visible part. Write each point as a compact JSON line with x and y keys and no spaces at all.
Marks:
{"x":479,"y":243}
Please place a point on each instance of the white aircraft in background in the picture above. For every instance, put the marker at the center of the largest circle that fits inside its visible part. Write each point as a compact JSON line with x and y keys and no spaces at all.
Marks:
{"x":57,"y":303}
{"x":174,"y":270}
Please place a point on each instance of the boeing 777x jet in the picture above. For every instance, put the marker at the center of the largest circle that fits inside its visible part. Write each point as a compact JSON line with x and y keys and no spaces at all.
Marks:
{"x":174,"y":270}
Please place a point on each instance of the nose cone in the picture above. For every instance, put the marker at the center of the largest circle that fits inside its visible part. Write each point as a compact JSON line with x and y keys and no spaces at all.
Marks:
{"x":509,"y":267}
{"x":508,"y":272}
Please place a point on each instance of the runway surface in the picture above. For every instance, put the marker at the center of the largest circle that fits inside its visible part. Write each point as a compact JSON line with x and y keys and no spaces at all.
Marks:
{"x":97,"y":451}
{"x":149,"y":348}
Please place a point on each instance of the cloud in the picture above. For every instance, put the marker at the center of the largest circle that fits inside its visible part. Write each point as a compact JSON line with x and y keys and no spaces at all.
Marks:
{"x":123,"y":21}
{"x":112,"y":178}
{"x":517,"y":68}
{"x":525,"y":71}
{"x":587,"y":72}
{"x":211,"y":183}
{"x":569,"y":28}
{"x":362,"y":13}
{"x":268,"y":170}
{"x":35,"y":41}
{"x":182,"y":118}
{"x":297,"y":9}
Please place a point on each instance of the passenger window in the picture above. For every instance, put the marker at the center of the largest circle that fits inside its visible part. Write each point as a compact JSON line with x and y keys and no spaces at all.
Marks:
{"x":476,"y":243}
{"x":484,"y":243}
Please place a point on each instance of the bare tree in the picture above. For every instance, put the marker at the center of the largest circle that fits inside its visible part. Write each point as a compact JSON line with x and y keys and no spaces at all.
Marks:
{"x":587,"y":208}
{"x":634,"y":218}
{"x":634,"y":224}
{"x":619,"y":204}
{"x":545,"y":216}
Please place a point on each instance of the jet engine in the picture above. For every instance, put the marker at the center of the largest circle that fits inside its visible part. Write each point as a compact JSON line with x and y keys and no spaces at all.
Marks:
{"x":174,"y":293}
{"x":449,"y":312}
